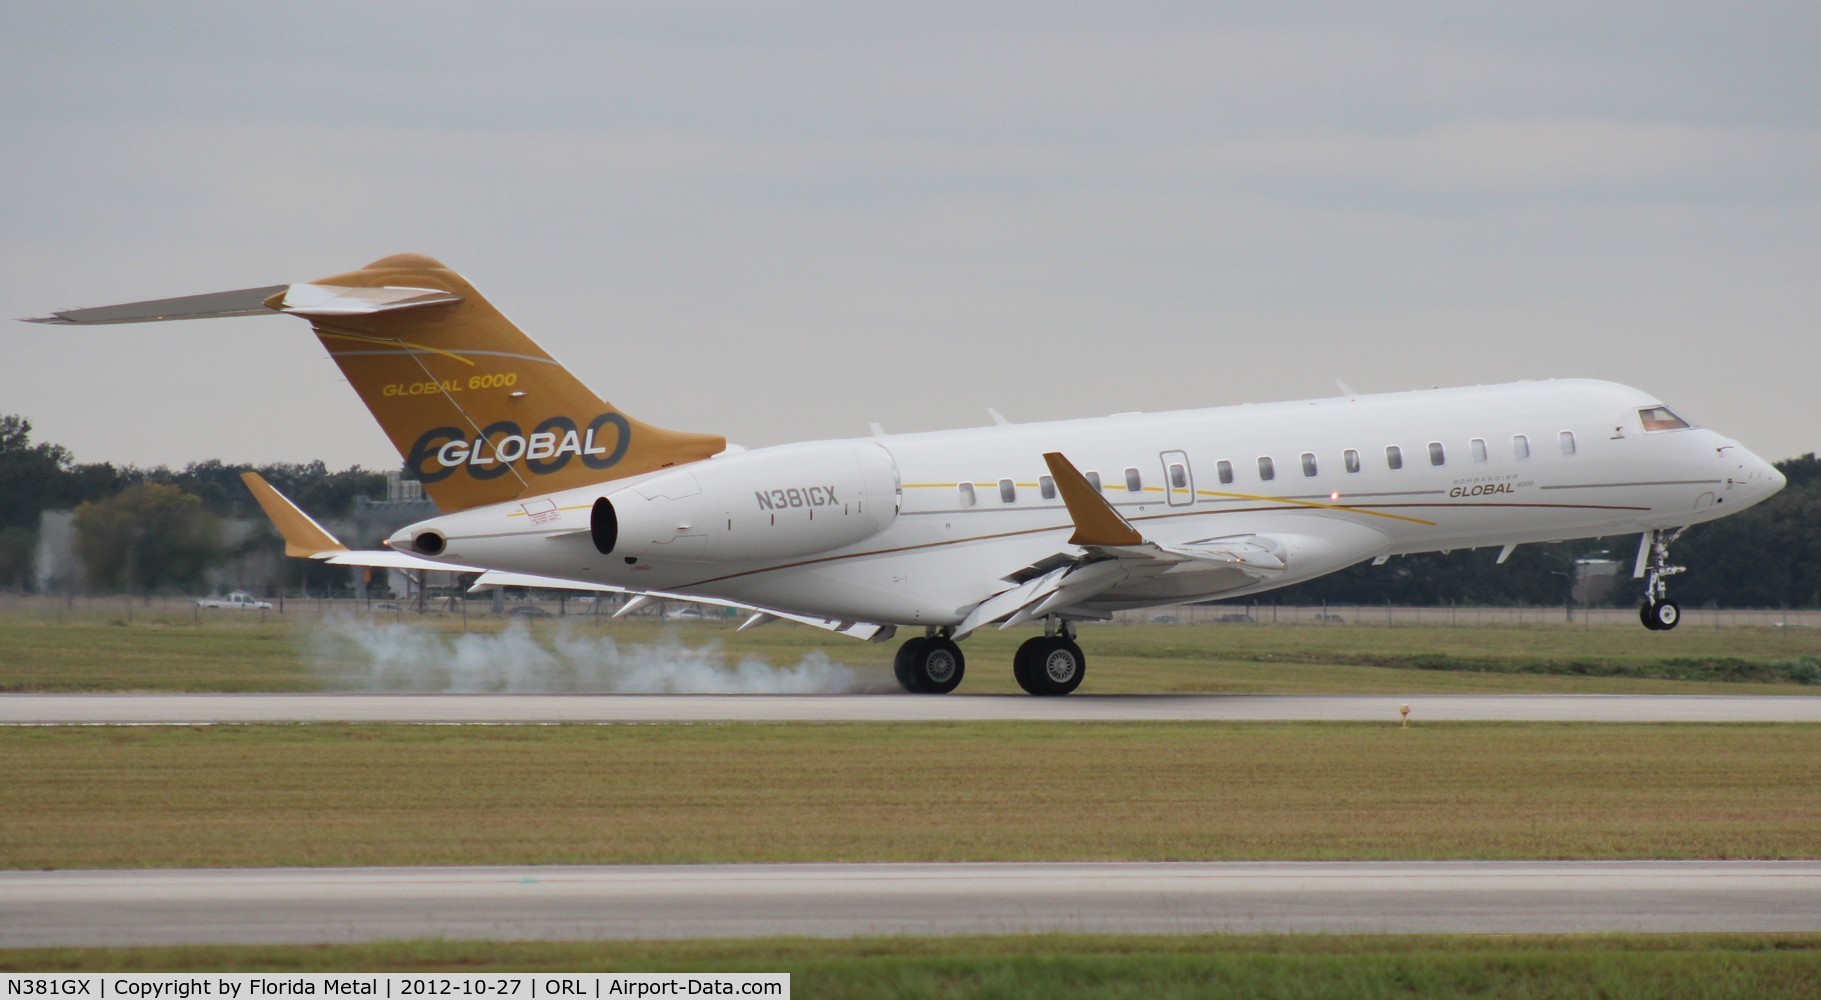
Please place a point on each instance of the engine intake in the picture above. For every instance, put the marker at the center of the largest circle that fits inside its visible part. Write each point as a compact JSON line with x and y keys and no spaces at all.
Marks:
{"x":429,"y":543}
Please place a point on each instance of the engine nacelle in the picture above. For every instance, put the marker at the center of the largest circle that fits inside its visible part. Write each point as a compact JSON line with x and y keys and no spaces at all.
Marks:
{"x":795,"y":500}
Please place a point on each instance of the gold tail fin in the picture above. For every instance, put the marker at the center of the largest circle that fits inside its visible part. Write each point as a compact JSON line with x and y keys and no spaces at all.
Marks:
{"x":480,"y":413}
{"x":477,"y":410}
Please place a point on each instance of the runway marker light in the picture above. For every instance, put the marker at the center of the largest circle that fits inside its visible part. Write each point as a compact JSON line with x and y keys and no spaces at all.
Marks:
{"x":1405,"y":712}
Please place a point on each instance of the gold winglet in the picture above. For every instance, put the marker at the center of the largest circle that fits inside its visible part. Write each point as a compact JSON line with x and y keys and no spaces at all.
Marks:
{"x":304,"y":538}
{"x":1096,"y":522}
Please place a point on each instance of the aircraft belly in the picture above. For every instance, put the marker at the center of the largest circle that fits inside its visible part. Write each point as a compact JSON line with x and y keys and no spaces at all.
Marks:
{"x":936,"y":585}
{"x":1176,"y":586}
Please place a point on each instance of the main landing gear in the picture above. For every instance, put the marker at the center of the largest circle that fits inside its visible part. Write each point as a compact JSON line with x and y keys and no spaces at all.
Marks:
{"x":1049,"y":664}
{"x":932,"y":664}
{"x":1658,"y":612}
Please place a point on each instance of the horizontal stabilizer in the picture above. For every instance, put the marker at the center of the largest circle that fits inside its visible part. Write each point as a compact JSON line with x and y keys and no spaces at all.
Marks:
{"x":299,"y":299}
{"x":210,"y":305}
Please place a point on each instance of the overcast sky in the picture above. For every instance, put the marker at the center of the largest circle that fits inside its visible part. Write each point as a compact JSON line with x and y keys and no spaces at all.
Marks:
{"x":781,"y":221}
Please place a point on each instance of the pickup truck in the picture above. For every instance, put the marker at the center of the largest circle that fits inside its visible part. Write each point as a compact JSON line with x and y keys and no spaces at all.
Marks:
{"x":234,"y":600}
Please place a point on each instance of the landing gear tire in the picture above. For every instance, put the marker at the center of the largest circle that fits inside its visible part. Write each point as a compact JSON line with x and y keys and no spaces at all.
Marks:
{"x":929,"y":666}
{"x":1055,"y":666}
{"x":1024,"y":663}
{"x":1660,"y":616}
{"x":907,"y":654}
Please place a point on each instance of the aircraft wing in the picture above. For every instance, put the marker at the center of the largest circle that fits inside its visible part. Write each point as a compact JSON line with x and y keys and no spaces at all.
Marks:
{"x":1113,"y":552}
{"x":757,"y":616}
{"x":305,"y":539}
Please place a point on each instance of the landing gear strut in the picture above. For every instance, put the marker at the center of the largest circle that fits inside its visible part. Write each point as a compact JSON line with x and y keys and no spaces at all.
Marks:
{"x":1050,"y":664}
{"x":1658,"y":612}
{"x":932,"y":664}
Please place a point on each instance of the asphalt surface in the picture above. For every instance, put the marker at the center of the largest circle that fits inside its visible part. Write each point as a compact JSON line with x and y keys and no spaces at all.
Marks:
{"x":192,"y":709}
{"x":156,"y":907}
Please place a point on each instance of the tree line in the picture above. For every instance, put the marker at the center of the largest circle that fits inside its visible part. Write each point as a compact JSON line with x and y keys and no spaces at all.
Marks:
{"x":152,"y":530}
{"x":142,"y":530}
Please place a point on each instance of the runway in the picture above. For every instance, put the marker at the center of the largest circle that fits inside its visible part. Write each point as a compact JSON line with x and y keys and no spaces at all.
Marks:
{"x":199,"y":709}
{"x":157,"y":907}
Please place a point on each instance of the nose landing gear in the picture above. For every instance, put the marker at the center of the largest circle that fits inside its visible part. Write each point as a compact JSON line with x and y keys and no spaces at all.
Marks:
{"x":1658,"y":612}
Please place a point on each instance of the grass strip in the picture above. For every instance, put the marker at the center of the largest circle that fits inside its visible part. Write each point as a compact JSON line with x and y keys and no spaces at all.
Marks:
{"x":1731,"y":670}
{"x":85,"y":797}
{"x":76,"y":652}
{"x":1699,"y":966}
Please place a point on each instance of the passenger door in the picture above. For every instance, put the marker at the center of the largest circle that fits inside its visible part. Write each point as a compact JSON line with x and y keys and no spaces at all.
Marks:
{"x":1178,"y":479}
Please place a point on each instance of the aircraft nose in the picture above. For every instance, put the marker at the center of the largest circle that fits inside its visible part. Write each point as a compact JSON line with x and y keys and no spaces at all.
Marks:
{"x":1759,"y":477}
{"x":1777,"y":479}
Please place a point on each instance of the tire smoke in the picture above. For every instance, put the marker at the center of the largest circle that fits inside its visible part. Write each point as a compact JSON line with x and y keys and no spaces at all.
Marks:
{"x":353,"y":653}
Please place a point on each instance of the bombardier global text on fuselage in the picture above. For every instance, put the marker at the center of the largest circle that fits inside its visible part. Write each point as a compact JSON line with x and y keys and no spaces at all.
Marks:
{"x":542,"y":482}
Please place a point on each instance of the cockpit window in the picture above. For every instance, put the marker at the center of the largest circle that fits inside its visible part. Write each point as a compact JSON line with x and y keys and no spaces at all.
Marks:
{"x":1658,"y":418}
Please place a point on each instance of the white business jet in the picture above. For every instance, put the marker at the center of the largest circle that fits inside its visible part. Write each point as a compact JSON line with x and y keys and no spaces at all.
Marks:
{"x":1048,"y":524}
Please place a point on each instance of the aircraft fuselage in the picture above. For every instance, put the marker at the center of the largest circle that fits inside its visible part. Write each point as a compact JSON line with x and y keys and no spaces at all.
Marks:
{"x":904,"y":529}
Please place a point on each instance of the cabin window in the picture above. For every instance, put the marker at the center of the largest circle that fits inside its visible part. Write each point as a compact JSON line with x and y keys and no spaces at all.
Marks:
{"x":1351,"y":459}
{"x":1658,"y":418}
{"x":1520,"y":445}
{"x":1224,"y":469}
{"x":1093,"y":479}
{"x":1567,"y":439}
{"x":1267,"y":469}
{"x":1008,"y":491}
{"x":1046,"y":485}
{"x":1134,"y":483}
{"x":1179,"y":477}
{"x":1309,"y":464}
{"x":1479,"y":449}
{"x":1394,"y":457}
{"x":967,"y":494}
{"x":1437,"y":454}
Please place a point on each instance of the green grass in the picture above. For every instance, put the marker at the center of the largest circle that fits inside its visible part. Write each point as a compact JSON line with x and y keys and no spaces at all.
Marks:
{"x":57,"y":649}
{"x":1698,"y":966}
{"x":80,"y":797}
